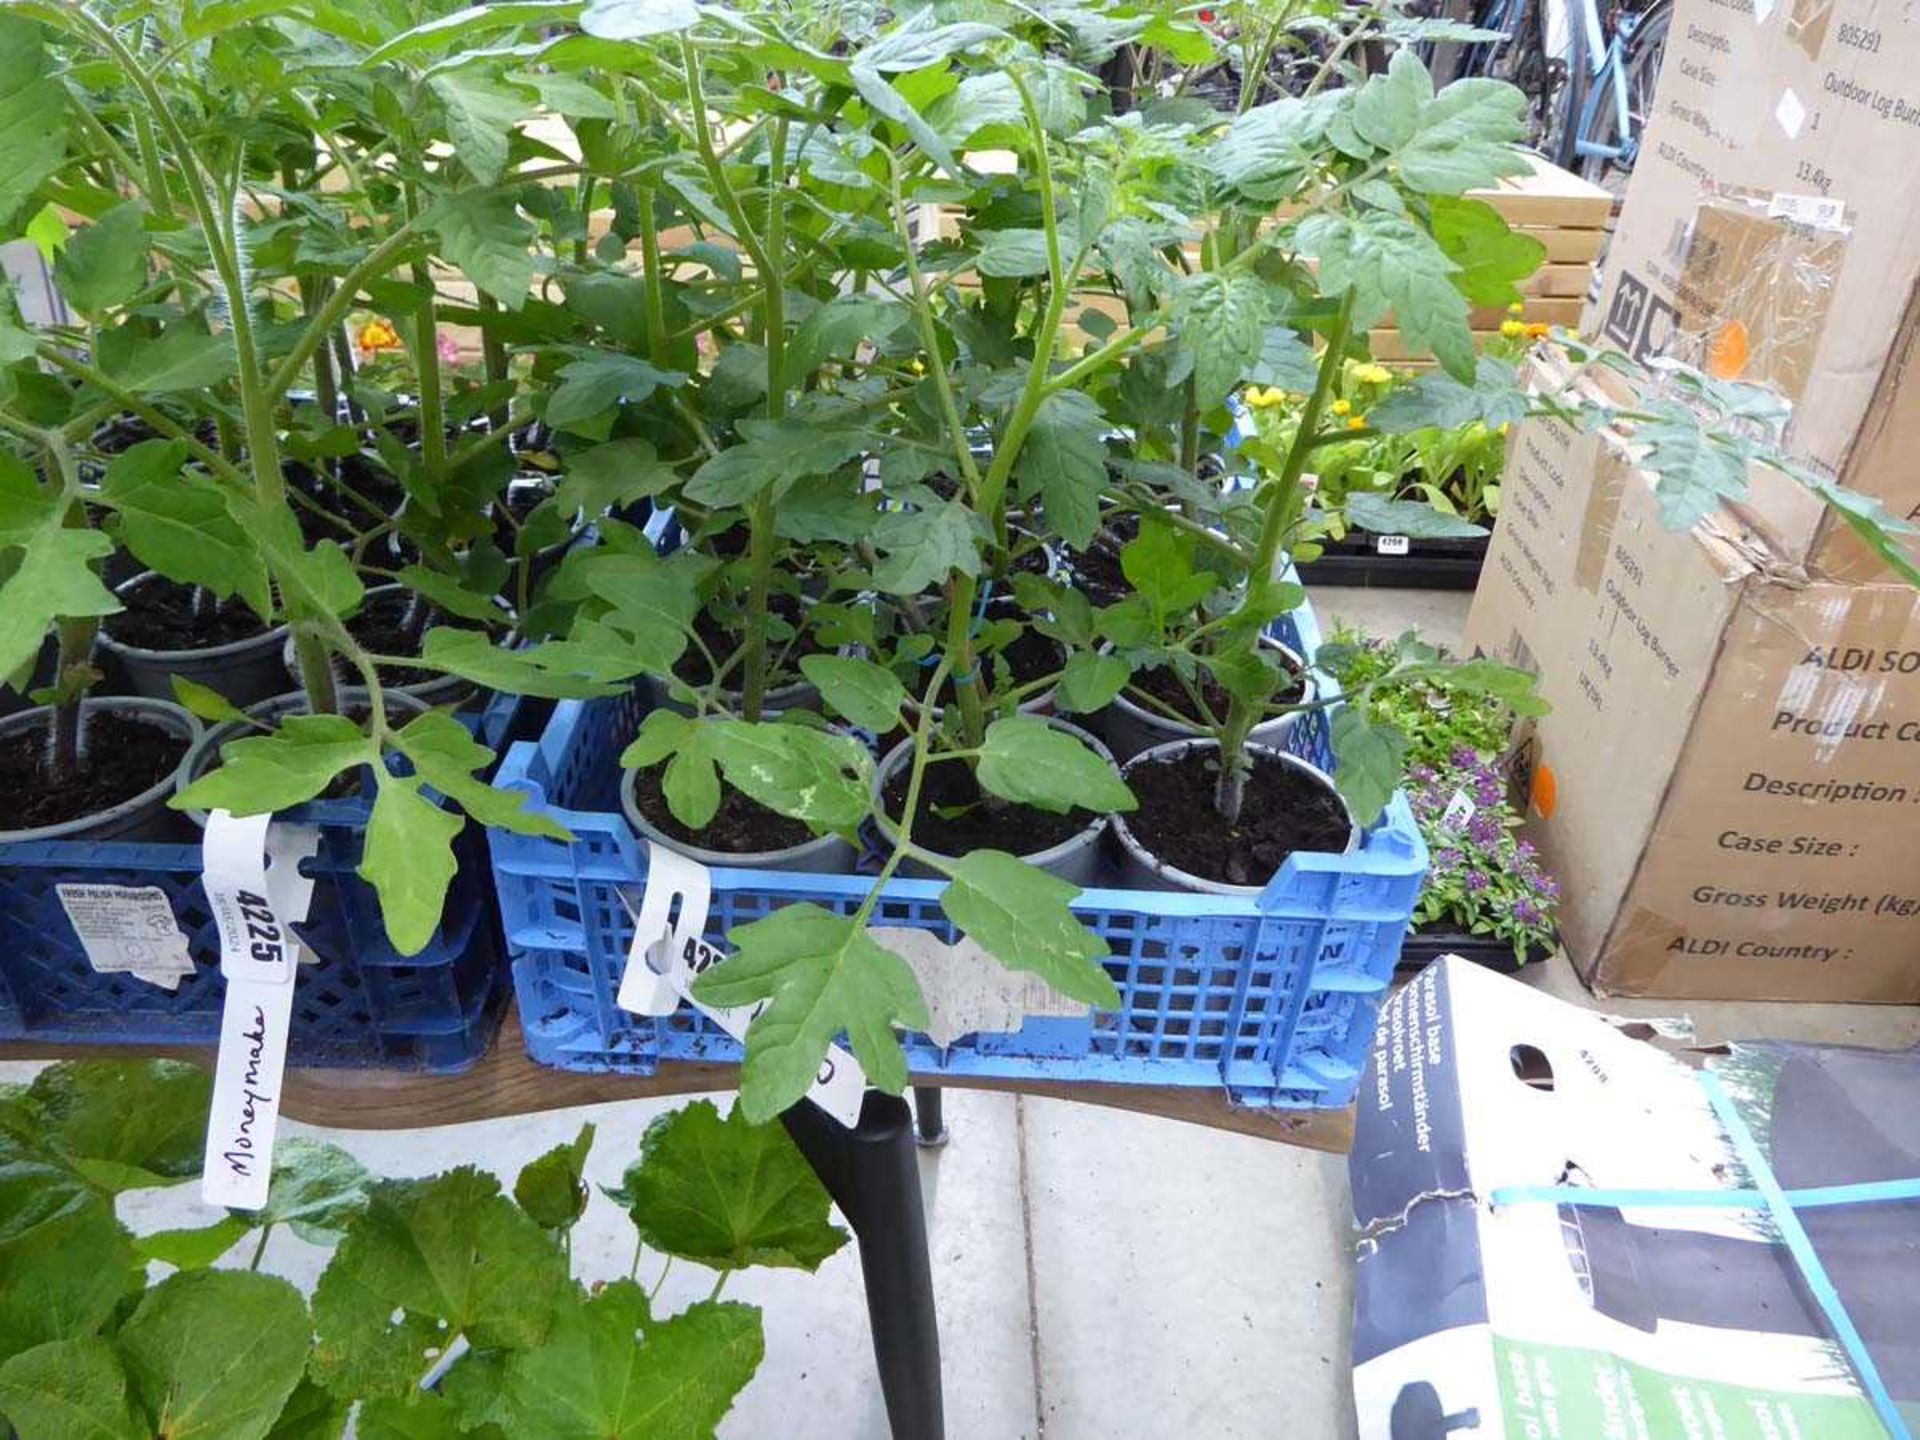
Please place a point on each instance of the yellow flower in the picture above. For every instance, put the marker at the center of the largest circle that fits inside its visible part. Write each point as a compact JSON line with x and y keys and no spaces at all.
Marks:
{"x":1262,"y":399}
{"x":1505,"y":426}
{"x":1343,"y":407}
{"x":917,"y":365}
{"x":1369,"y":373}
{"x":1512,"y":329}
{"x":1538,"y":331}
{"x":1518,"y":307}
{"x":1356,"y":422}
{"x":377,"y":335}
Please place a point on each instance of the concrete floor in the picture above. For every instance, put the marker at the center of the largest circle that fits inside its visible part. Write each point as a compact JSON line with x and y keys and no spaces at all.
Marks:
{"x":1100,"y":1275}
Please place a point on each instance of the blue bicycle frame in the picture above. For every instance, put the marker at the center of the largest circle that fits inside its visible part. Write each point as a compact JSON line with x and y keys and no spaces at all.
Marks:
{"x":1608,"y":77}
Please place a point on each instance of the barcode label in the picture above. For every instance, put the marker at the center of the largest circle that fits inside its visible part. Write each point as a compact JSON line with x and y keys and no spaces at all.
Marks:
{"x":1816,"y":211}
{"x":1392,"y":545}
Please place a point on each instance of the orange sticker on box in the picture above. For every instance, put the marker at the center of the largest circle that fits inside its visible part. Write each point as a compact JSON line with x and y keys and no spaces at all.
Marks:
{"x":1730,"y":351}
{"x":1545,"y":791}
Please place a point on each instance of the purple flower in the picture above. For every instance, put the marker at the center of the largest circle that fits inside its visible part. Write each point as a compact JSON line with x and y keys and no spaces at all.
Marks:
{"x":1484,"y":828}
{"x":1421,"y":774}
{"x":1465,"y":758}
{"x":1475,"y":881}
{"x":1525,"y":847}
{"x":1448,"y":859}
{"x":1486,"y":791}
{"x":1547,"y":886}
{"x":1526,"y":912}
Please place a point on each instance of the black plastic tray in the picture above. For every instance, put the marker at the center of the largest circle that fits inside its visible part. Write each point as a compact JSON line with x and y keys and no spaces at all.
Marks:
{"x":1427,"y":565}
{"x":1421,"y":947}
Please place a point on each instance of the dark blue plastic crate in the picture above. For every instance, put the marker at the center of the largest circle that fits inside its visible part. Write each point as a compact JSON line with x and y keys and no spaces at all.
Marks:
{"x":358,"y":1004}
{"x":1272,"y":997}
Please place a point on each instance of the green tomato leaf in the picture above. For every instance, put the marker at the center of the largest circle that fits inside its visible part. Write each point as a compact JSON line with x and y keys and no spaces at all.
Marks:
{"x":1391,"y":264}
{"x":445,"y":31}
{"x":431,"y":1259}
{"x":311,"y":1414}
{"x":485,"y":235}
{"x":481,"y":116}
{"x":1222,"y":321}
{"x":54,"y":579}
{"x":105,"y":263}
{"x":1369,"y":510}
{"x":920,"y":548}
{"x":262,"y":773}
{"x":867,"y":694}
{"x":592,"y":387}
{"x":1015,"y":254}
{"x":616,"y":473}
{"x":1030,"y":762}
{"x":1090,"y":682}
{"x":727,"y":1194}
{"x":1369,"y":761}
{"x":421,"y":1416}
{"x":1158,"y":563}
{"x":33,"y":118}
{"x":182,"y":357}
{"x":597,"y":1379}
{"x":1694,"y":469}
{"x":821,"y":974}
{"x":1285,"y":360}
{"x":553,"y":671}
{"x":446,"y":756}
{"x":214,"y":1354}
{"x":691,"y":781}
{"x":193,"y":1249}
{"x":890,"y":104}
{"x":70,"y":1390}
{"x":1873,"y":523}
{"x":1387,"y":108}
{"x":811,"y":775}
{"x":1021,"y":914}
{"x":1468,"y":138}
{"x":1438,"y":401}
{"x":206,"y":702}
{"x":1492,"y":257}
{"x":1064,"y":462}
{"x":637,"y":19}
{"x":550,"y":1189}
{"x":176,"y":521}
{"x":409,"y":860}
{"x":836,"y":329}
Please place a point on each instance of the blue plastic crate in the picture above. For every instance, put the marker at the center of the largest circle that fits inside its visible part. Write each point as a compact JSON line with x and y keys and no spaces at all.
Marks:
{"x":1272,"y":997}
{"x":359,"y":1004}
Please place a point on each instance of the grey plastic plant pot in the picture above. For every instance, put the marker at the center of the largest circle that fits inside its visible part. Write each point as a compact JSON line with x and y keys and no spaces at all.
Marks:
{"x":822,"y":855}
{"x":1130,"y":728}
{"x":799,"y":695}
{"x":1075,"y":859}
{"x":144,"y":816}
{"x":1141,"y":869}
{"x":440,"y":690}
{"x":206,"y":750}
{"x":245,"y":671}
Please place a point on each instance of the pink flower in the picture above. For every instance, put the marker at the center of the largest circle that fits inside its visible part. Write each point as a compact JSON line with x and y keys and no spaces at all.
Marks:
{"x":446,"y":347}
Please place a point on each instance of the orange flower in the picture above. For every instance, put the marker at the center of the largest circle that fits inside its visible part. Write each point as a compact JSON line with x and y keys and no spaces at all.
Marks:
{"x":377,"y":335}
{"x":1538,"y":331}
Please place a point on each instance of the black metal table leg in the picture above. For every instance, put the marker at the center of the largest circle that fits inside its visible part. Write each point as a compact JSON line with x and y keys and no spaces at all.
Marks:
{"x":930,"y":1126}
{"x":873,"y":1175}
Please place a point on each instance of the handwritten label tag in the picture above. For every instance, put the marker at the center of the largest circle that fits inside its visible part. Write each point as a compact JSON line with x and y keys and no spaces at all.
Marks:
{"x":1392,"y":545}
{"x":128,"y":929}
{"x":251,"y":873}
{"x":1817,"y":211}
{"x":668,"y":955}
{"x":1460,"y":810}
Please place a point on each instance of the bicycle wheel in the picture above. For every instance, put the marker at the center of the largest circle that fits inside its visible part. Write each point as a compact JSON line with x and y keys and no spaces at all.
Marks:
{"x":1607,"y":147}
{"x":1548,"y":81}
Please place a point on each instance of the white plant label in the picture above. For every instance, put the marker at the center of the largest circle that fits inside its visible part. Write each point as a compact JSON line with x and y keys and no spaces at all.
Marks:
{"x":1460,"y":810}
{"x":128,"y":929}
{"x":968,"y":991}
{"x":251,"y":873}
{"x":1818,"y":211}
{"x":1392,"y":545}
{"x":668,"y":955}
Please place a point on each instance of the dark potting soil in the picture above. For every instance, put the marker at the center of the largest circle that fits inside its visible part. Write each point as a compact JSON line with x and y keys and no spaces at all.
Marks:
{"x":121,"y":758}
{"x":739,"y":827}
{"x":161,"y":615}
{"x":955,"y":817}
{"x":1284,"y":810}
{"x":1096,"y":569}
{"x":722,"y":642}
{"x":1163,"y":685}
{"x":383,"y":626}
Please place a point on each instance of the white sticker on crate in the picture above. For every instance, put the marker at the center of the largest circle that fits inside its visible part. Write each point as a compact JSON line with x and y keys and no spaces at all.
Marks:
{"x":967,"y":990}
{"x":128,"y":929}
{"x":1460,"y":810}
{"x":1791,"y":112}
{"x":1391,"y":545}
{"x":1821,"y":212}
{"x":250,"y":870}
{"x":668,"y":955}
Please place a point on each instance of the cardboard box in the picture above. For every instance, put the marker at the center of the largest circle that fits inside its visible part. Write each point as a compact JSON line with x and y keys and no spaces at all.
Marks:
{"x":1481,"y":1311}
{"x":1769,"y":231}
{"x":1728,"y":786}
